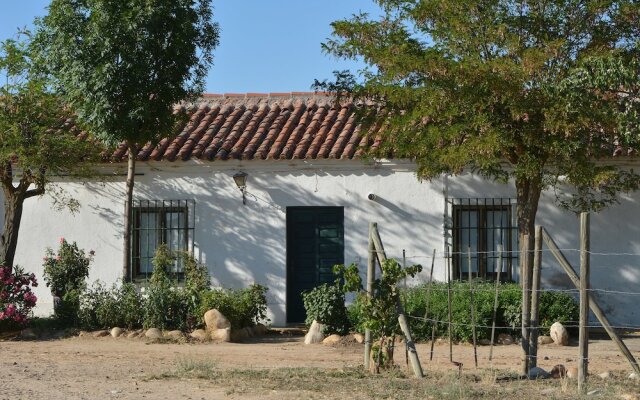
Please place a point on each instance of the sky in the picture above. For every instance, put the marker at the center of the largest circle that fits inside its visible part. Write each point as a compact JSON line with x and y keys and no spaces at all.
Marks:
{"x":265,"y":45}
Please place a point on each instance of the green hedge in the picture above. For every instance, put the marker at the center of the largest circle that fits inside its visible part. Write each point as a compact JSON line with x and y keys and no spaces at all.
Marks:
{"x":554,"y":306}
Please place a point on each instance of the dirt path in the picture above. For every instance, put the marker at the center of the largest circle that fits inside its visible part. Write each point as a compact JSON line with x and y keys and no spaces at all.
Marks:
{"x":91,"y":368}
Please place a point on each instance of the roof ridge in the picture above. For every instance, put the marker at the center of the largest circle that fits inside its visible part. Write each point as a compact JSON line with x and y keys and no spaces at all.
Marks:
{"x":269,"y":95}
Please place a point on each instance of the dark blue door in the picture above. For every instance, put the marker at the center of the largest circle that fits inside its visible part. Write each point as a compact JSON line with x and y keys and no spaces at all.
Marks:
{"x":315,"y":243}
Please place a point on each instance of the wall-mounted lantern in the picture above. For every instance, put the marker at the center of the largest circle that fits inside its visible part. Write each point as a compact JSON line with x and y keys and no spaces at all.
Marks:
{"x":240,"y":179}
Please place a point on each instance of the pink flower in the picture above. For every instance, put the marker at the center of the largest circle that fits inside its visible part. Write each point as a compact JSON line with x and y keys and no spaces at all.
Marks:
{"x":57,"y":258}
{"x":10,"y":310}
{"x":61,"y":240}
{"x":1,"y":316}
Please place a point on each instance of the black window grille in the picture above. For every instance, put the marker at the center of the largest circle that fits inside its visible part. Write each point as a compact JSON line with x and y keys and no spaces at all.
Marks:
{"x":160,"y":221}
{"x":478,"y":227}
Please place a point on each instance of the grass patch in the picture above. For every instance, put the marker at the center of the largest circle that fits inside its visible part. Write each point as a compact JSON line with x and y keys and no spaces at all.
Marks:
{"x":397,"y":383}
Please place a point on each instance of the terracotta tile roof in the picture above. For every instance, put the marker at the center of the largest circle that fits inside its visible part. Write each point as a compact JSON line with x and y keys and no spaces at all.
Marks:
{"x":277,"y":126}
{"x":268,"y":126}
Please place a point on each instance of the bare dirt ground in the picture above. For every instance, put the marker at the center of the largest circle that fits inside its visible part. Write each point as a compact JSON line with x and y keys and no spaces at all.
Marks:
{"x":109,"y":368}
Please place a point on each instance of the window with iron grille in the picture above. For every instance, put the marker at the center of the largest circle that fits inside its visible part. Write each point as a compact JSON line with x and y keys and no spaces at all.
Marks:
{"x":478,"y":227}
{"x":160,"y":221}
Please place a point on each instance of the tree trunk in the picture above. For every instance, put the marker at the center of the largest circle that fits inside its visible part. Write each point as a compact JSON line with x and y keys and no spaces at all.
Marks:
{"x":13,"y":203}
{"x":127,"y":273}
{"x":528,"y":196}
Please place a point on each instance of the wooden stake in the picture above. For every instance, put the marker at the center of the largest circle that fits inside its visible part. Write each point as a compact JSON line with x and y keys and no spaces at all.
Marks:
{"x":449,"y":303}
{"x":402,"y":319}
{"x":426,"y":306}
{"x":593,"y":305}
{"x":526,"y":303}
{"x":495,"y":303}
{"x":473,"y":313}
{"x":583,"y":343}
{"x":535,"y":297}
{"x":371,"y":276}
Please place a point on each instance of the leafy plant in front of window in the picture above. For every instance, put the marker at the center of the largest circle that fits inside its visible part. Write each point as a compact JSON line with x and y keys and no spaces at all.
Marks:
{"x":16,"y":296}
{"x":65,"y":273}
{"x":196,"y":282}
{"x":163,"y":304}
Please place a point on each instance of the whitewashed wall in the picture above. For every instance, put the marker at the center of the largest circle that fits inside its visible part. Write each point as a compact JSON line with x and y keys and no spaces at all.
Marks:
{"x":242,"y":244}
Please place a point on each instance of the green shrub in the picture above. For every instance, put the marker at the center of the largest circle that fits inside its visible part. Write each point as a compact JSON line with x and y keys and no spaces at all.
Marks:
{"x":102,"y":308}
{"x":243,"y":307}
{"x":65,"y":273}
{"x":554,"y":306}
{"x":66,"y":270}
{"x":196,"y":282}
{"x":325,"y":304}
{"x":164,"y":307}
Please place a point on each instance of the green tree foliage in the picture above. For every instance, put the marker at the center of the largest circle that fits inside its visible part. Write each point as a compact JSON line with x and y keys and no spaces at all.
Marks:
{"x":539,"y":92}
{"x":34,"y":144}
{"x":124,"y":64}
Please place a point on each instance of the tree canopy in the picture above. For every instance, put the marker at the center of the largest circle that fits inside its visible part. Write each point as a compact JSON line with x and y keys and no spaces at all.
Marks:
{"x":34,"y":143}
{"x":530,"y":90}
{"x":123,"y":65}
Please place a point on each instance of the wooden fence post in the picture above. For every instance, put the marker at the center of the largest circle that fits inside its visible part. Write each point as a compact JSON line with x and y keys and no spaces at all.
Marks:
{"x":449,"y":302}
{"x":472,"y":306}
{"x":583,"y":343}
{"x":593,"y":305}
{"x":495,"y":303}
{"x":371,"y":276}
{"x":426,"y":306}
{"x":526,"y":303}
{"x":402,"y":319}
{"x":535,"y":297}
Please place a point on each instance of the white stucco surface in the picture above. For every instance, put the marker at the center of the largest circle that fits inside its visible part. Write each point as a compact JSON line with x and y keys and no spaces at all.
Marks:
{"x":243,"y":244}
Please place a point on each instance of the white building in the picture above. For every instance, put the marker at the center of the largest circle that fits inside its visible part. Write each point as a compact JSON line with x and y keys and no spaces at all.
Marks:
{"x":308,"y":207}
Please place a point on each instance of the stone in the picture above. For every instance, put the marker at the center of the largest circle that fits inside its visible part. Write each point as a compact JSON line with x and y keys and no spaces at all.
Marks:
{"x":559,"y":334}
{"x":153,"y":333}
{"x":558,"y":371}
{"x":315,"y":334}
{"x":359,"y":338}
{"x":116,"y":332}
{"x":545,"y":340}
{"x":332,"y":339}
{"x":176,"y":335}
{"x":572,"y":373}
{"x":605,"y":375}
{"x":100,"y":333}
{"x":83,"y":333}
{"x":260,"y":330}
{"x":133,"y":335}
{"x":538,"y":373}
{"x":505,"y":338}
{"x":634,"y":375}
{"x":221,"y":335}
{"x":199,"y":334}
{"x":214,"y":319}
{"x":484,"y":342}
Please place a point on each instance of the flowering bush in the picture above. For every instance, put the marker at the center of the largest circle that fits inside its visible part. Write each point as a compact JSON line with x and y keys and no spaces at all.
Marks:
{"x":66,"y":270}
{"x":16,"y":297}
